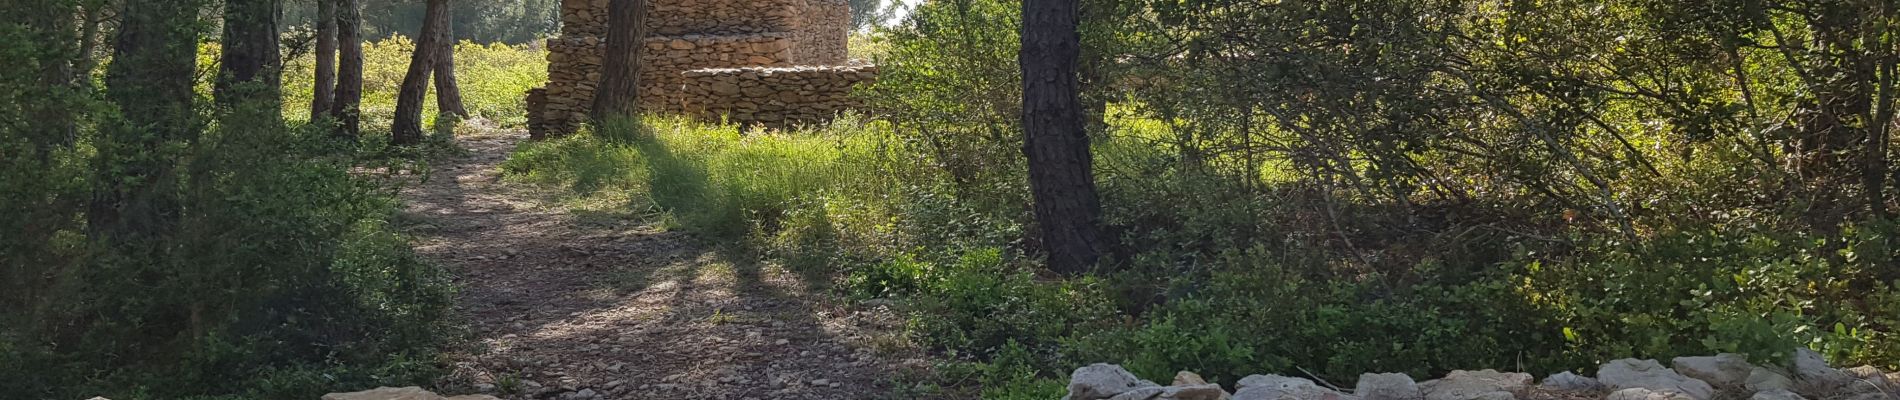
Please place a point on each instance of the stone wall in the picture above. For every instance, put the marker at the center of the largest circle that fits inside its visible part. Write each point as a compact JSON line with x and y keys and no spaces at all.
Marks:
{"x":824,"y":32}
{"x":1719,"y":377}
{"x":775,"y":97}
{"x":692,"y":35}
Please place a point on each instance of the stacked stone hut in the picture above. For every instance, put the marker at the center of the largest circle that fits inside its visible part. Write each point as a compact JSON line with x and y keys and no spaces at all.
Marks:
{"x":767,"y":62}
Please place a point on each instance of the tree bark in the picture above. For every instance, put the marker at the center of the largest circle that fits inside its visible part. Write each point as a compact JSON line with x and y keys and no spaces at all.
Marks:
{"x":346,"y":106}
{"x":150,"y":80}
{"x":84,"y":61}
{"x":618,"y":95}
{"x":324,"y":93}
{"x":415,"y":84}
{"x":1060,"y":179}
{"x":249,"y":68}
{"x":448,"y":96}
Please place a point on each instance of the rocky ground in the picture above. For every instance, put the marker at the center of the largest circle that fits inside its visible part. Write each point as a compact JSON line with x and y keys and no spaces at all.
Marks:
{"x":1719,"y":377}
{"x":570,"y":306}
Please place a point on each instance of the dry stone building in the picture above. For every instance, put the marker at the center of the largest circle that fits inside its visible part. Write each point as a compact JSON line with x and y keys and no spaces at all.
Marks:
{"x":771,"y":62}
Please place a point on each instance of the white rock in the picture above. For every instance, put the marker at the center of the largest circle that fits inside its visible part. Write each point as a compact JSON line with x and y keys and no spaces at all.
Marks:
{"x":1469,"y":385}
{"x":403,"y":393}
{"x":1570,"y":381}
{"x":1726,"y":369}
{"x":1275,"y":387}
{"x":1765,"y":379}
{"x":1178,"y":392}
{"x":1391,"y":386}
{"x":1649,"y":374}
{"x":1776,"y":394}
{"x":1868,"y":379}
{"x":1100,"y":381}
{"x":1646,"y":394}
{"x":1813,"y":371}
{"x":1185,"y":378}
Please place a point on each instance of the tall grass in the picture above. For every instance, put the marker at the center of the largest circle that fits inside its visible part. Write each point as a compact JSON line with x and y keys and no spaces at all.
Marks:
{"x":494,"y":79}
{"x":711,"y":178}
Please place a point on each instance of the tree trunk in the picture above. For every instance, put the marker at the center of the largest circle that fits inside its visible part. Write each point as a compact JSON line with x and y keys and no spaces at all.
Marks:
{"x":249,"y":68}
{"x":324,"y":93}
{"x":346,"y":106}
{"x":415,"y":83}
{"x":150,"y":80}
{"x":84,"y":61}
{"x":448,"y":96}
{"x":1060,"y":179}
{"x":618,"y":95}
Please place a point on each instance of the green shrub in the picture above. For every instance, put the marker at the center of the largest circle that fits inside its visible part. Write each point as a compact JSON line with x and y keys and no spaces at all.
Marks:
{"x":278,"y":277}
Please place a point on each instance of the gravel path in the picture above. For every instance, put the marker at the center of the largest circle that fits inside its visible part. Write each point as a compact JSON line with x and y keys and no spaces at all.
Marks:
{"x":563,"y":307}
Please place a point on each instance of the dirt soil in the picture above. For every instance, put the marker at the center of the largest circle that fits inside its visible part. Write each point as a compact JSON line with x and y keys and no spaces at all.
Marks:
{"x":567,"y":306}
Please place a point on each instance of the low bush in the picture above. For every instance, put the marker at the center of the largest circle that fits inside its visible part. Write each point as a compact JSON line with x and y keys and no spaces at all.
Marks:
{"x":279,"y":276}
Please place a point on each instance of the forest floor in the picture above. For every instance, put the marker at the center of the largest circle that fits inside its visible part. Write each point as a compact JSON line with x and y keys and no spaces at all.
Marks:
{"x":567,"y":305}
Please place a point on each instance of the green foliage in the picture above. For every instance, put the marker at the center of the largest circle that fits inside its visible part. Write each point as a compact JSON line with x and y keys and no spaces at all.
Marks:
{"x":278,"y":276}
{"x":494,"y":80}
{"x":1336,"y":187}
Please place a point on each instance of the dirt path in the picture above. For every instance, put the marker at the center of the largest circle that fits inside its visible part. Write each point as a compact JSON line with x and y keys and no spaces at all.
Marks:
{"x":571,"y":308}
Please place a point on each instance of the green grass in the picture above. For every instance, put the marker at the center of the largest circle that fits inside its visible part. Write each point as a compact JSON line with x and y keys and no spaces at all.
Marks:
{"x":494,"y":79}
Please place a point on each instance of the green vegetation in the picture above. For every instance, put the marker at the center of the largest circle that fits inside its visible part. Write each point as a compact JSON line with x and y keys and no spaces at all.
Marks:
{"x":494,"y":78}
{"x":1322,"y":187}
{"x":1341,"y":187}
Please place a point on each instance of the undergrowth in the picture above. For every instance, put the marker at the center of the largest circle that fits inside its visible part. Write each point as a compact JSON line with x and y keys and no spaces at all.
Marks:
{"x":1207,"y":279}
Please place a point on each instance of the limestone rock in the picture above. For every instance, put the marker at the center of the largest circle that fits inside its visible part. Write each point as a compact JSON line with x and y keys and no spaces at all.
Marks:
{"x":1391,"y":386}
{"x":1469,"y":385}
{"x":1649,"y":374}
{"x":1776,"y":394}
{"x":1275,"y":387}
{"x":1570,"y":381}
{"x":1765,"y":379}
{"x":403,"y":393}
{"x":1177,"y":392}
{"x":1099,"y":381}
{"x":1185,"y":378}
{"x":1868,"y":379}
{"x":1726,"y":369}
{"x":1647,"y":394}
{"x":1813,"y":371}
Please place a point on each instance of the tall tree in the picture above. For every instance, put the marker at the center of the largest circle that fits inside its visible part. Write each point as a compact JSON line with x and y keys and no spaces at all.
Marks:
{"x":249,"y":68}
{"x":618,"y":95}
{"x":448,"y":96}
{"x":1060,"y":177}
{"x":150,"y":80}
{"x":346,"y":106}
{"x":415,"y":84}
{"x":325,"y":91}
{"x":50,"y":28}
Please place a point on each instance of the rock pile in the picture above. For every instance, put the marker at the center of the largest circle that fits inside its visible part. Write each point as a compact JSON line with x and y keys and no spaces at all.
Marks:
{"x":773,"y":96}
{"x":404,"y":393}
{"x":1724,"y":376}
{"x":689,"y":35}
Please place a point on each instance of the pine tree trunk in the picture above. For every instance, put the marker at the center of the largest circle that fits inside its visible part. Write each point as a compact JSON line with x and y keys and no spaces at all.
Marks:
{"x":249,"y":68}
{"x":324,"y":93}
{"x":415,"y":84}
{"x":618,"y":95}
{"x":448,"y":96}
{"x":1060,"y":179}
{"x":346,"y":106}
{"x":84,"y":61}
{"x":150,"y":80}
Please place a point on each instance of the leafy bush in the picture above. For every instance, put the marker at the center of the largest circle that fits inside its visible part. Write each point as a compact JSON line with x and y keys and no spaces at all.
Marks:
{"x":279,"y":277}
